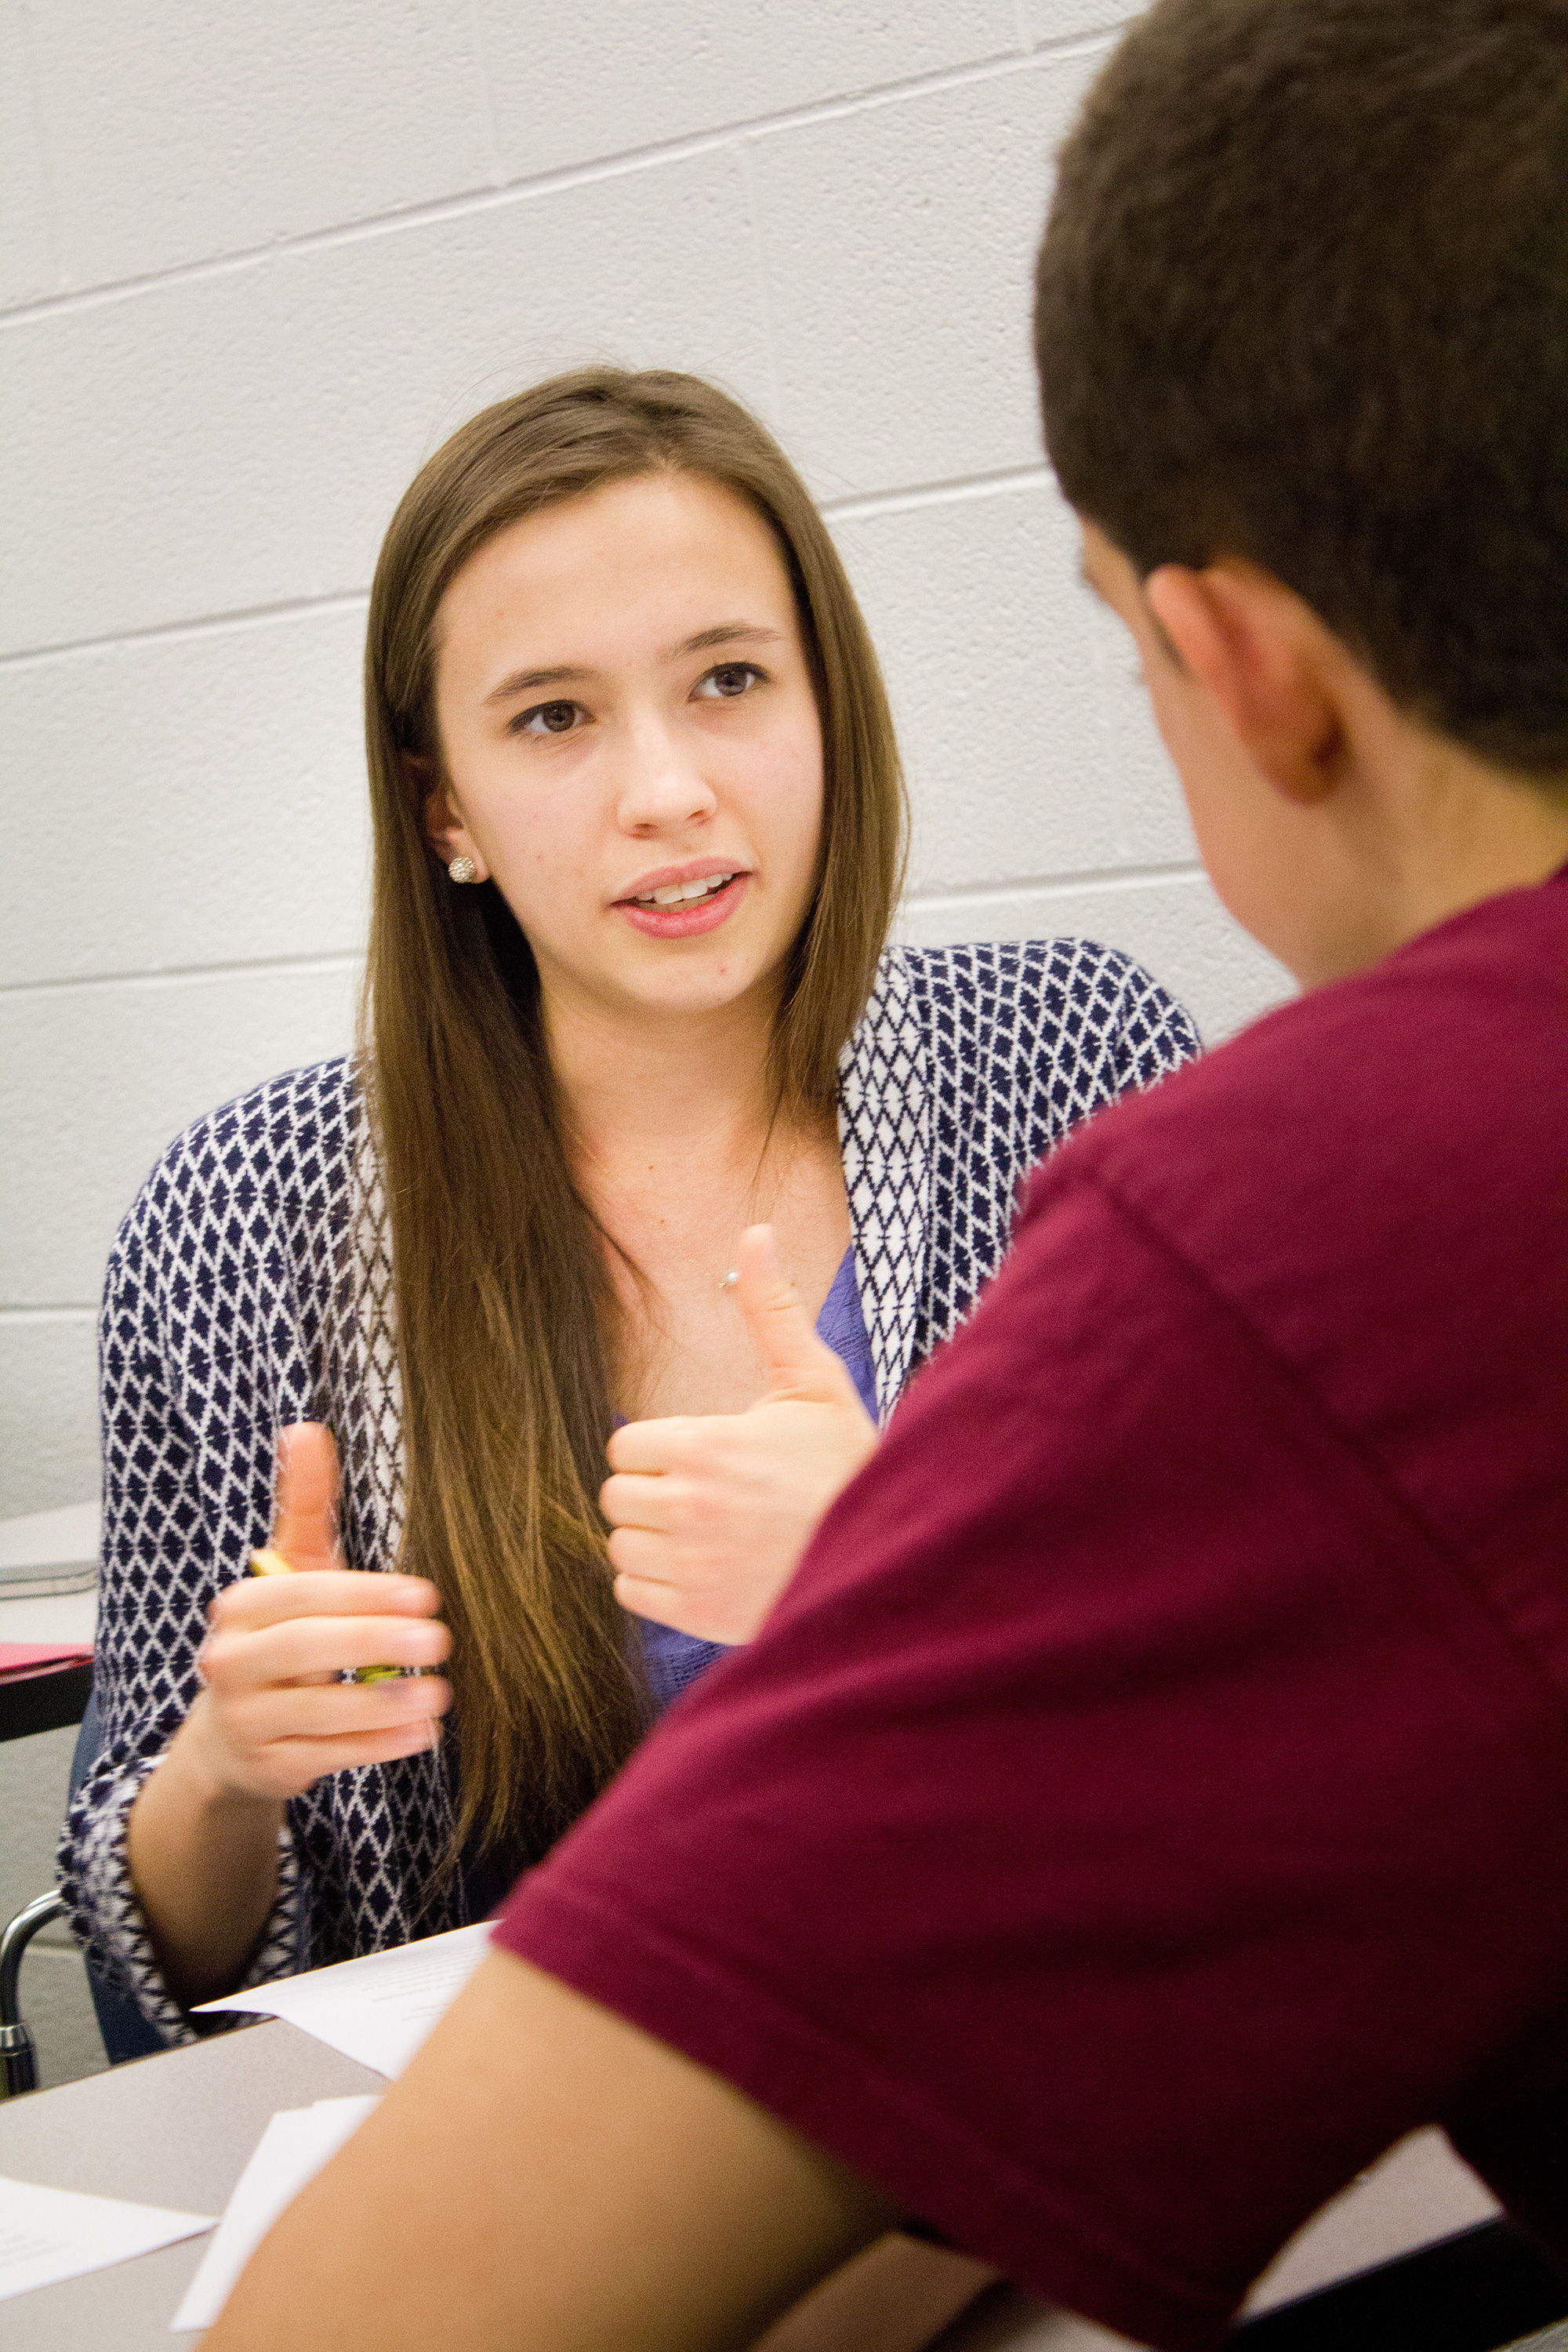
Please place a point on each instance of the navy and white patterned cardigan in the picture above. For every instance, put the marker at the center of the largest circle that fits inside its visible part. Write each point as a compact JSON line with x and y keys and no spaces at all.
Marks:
{"x":969,"y":1063}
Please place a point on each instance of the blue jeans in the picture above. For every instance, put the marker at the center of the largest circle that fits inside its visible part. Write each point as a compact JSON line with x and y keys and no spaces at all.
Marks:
{"x":126,"y":2032}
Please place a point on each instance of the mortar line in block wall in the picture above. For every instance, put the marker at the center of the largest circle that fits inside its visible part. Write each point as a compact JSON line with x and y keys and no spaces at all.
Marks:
{"x":487,"y":91}
{"x":1099,"y":879}
{"x":207,"y":624}
{"x":545,"y":184}
{"x":1107,"y":880}
{"x":747,"y":161}
{"x":181,"y":975}
{"x":854,"y":507}
{"x":32,"y":82}
{"x":22,"y":1316}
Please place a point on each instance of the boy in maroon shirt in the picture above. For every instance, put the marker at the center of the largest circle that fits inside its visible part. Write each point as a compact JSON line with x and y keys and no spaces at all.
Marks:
{"x":1149,"y":1801}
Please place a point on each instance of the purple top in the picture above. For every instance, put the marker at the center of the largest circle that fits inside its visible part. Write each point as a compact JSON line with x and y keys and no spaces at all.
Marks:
{"x":674,"y":1660}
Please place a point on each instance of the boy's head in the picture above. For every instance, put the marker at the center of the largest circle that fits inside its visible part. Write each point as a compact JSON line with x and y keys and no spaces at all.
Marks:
{"x":1303,"y":302}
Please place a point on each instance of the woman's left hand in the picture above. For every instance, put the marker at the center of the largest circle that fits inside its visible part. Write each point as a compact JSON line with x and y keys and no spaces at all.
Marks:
{"x":711,"y":1513}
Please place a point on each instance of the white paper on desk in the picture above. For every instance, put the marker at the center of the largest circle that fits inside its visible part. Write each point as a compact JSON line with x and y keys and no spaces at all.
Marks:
{"x":292,"y":2150}
{"x":49,"y":2234}
{"x":378,"y":2010}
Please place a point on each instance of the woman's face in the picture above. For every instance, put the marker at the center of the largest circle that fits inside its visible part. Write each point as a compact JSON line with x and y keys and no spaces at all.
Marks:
{"x":625,"y":713}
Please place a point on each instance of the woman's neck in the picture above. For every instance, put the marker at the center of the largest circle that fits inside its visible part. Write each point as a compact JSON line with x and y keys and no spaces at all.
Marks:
{"x":677,"y":1144}
{"x":640,"y":1086}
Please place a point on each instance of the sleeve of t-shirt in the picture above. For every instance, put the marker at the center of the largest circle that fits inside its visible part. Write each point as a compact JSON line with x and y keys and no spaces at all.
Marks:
{"x":1124,"y":1827}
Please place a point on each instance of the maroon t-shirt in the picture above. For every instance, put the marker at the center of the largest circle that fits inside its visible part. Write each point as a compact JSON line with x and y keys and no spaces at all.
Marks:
{"x":1150,"y":1797}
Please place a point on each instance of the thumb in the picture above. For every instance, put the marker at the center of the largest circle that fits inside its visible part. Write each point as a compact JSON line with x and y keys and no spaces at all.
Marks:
{"x":799,"y":1364}
{"x":306,"y":1528}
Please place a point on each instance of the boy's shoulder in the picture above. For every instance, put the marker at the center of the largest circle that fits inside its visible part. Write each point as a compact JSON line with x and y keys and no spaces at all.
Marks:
{"x":1372,"y":1178}
{"x":1453,"y":1048}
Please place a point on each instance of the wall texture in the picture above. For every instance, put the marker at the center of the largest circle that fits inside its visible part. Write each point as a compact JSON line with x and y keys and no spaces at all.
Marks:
{"x":255,"y":265}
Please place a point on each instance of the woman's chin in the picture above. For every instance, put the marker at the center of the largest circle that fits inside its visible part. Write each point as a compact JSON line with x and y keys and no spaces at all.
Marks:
{"x":699,"y":987}
{"x":637,"y":977}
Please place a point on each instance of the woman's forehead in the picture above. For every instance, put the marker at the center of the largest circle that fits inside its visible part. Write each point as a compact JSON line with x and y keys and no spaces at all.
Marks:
{"x":640,"y":547}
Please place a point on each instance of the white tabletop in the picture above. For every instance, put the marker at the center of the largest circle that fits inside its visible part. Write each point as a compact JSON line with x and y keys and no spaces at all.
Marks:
{"x":173,"y":2130}
{"x":178,"y":2130}
{"x":53,"y":1617}
{"x":45,"y":1541}
{"x":52,"y":1539}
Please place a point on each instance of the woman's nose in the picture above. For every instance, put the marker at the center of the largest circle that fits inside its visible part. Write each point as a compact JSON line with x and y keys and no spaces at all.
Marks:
{"x":661,"y":784}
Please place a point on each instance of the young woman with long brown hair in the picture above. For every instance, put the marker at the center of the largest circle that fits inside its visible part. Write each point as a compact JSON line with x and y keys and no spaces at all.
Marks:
{"x":638,"y":828}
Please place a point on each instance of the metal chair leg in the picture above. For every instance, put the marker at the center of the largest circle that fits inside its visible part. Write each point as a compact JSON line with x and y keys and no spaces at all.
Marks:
{"x":18,"y":2056}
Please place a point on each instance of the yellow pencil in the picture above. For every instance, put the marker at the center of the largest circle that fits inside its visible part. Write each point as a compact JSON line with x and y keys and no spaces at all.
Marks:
{"x":272,"y":1563}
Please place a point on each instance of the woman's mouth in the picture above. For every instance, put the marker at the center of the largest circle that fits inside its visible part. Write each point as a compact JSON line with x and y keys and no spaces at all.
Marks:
{"x":676,"y":894}
{"x":680,"y":911}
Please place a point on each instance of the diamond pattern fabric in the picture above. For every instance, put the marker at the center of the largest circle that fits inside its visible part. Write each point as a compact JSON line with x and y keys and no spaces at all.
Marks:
{"x":251,"y":1285}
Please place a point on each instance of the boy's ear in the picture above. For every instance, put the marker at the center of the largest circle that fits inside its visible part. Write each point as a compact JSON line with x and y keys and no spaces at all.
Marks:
{"x":1266,"y":659}
{"x":444,"y":827}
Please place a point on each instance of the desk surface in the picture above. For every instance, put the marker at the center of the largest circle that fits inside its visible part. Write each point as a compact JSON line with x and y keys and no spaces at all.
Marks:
{"x":178,"y":2130}
{"x":49,"y":1617}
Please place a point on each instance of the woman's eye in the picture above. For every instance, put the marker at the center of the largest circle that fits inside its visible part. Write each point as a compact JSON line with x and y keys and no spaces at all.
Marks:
{"x":548,"y":719}
{"x":727,"y":680}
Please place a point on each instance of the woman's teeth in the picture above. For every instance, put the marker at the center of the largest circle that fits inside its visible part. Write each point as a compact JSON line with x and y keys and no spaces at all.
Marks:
{"x":674,"y":892}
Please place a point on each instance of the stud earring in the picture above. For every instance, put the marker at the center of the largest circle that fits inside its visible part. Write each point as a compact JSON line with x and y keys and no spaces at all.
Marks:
{"x":462,"y":869}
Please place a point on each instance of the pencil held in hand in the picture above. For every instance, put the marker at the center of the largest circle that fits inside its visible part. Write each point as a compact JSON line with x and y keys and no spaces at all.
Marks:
{"x":272,"y":1563}
{"x":301,"y":1669}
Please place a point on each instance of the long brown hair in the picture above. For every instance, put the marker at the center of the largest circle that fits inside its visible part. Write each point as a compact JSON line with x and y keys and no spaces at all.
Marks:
{"x":501,"y":1291}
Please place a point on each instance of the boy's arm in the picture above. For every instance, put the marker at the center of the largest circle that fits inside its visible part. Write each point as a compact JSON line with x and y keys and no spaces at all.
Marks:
{"x":547,"y":2175}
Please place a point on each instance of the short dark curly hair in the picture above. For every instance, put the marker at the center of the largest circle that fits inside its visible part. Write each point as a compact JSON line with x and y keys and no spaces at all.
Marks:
{"x":1303,"y":299}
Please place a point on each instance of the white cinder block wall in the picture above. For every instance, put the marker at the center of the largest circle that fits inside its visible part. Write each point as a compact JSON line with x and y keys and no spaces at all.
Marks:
{"x":256,"y":264}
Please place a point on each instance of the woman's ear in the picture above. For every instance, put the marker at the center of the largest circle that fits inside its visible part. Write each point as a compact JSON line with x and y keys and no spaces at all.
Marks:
{"x":444,"y":827}
{"x":1266,"y":659}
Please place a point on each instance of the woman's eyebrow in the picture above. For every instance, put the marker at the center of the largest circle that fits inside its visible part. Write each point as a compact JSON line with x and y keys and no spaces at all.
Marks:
{"x":522,"y":681}
{"x":727,"y":633}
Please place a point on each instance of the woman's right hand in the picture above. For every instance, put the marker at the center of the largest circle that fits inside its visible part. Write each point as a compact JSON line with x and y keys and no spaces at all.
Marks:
{"x":711,"y":1513}
{"x":274,"y":1717}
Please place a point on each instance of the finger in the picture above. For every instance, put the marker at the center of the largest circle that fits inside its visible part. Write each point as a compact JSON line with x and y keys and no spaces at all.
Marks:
{"x":371,"y":1746}
{"x":799,"y":1364}
{"x":289,"y":1768}
{"x":700,"y":1614}
{"x":306,"y":1648}
{"x":651,"y":1447}
{"x":639,"y":1598}
{"x":635,"y":1552}
{"x":630,"y":1501}
{"x":257,"y":1600}
{"x":341,"y":1711}
{"x":305,"y":1530}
